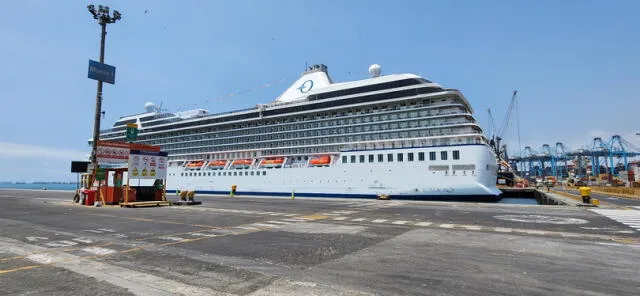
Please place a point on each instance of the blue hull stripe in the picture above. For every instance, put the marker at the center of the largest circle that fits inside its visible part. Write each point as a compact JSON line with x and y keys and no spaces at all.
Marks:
{"x":345,"y":195}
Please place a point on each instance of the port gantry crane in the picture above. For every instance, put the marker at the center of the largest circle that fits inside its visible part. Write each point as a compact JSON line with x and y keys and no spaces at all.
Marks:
{"x":604,"y":157}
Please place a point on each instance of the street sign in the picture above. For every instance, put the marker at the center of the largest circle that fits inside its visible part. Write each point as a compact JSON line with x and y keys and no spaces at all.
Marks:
{"x":102,"y":72}
{"x":132,"y":132}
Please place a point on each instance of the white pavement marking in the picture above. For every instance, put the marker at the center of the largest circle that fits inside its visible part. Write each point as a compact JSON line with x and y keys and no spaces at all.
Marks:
{"x":249,"y":227}
{"x":423,"y":223}
{"x":276,"y":214}
{"x":400,"y":222}
{"x":106,"y":229}
{"x":99,"y":250}
{"x":502,"y":229}
{"x":447,"y":225}
{"x":93,"y":230}
{"x":472,"y":227}
{"x":290,"y":215}
{"x":264,"y":225}
{"x":62,"y":243}
{"x":83,"y":240}
{"x":172,"y":238}
{"x":541,"y":219}
{"x":144,"y":284}
{"x":340,"y":218}
{"x":279,"y":222}
{"x":532,"y":231}
{"x":358,"y":219}
{"x":630,"y":218}
{"x":379,"y":220}
{"x":637,"y":207}
{"x":36,"y":238}
{"x":204,"y":234}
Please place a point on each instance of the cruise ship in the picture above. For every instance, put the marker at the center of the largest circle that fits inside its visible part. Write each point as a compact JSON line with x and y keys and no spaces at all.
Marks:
{"x":398,"y":135}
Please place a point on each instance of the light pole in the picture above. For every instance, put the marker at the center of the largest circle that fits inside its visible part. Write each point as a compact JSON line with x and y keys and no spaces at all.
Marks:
{"x":104,"y":18}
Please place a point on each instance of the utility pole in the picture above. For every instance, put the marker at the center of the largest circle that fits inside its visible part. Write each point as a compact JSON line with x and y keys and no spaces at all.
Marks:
{"x":104,"y":18}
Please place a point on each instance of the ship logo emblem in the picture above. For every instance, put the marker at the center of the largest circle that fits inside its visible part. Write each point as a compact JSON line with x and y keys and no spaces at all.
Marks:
{"x":306,"y":86}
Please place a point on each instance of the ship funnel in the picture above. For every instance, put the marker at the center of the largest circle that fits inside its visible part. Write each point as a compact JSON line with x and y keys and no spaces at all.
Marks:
{"x":314,"y":78}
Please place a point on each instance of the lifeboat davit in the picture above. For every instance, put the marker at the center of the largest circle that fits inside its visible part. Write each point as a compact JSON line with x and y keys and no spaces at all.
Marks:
{"x":320,"y":160}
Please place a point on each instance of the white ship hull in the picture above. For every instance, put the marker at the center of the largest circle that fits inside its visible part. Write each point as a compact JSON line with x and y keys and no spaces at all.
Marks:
{"x":409,"y":179}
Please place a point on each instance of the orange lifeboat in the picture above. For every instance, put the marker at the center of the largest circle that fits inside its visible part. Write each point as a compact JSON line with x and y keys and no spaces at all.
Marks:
{"x":217,"y":164}
{"x":273,"y":161}
{"x":195,"y":165}
{"x":320,"y":160}
{"x":277,"y":160}
{"x":241,"y":162}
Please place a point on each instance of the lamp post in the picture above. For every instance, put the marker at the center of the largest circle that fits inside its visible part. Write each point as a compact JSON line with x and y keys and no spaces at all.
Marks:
{"x":103,"y":16}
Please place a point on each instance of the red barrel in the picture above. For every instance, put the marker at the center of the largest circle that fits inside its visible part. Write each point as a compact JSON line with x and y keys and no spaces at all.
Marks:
{"x":91,"y":197}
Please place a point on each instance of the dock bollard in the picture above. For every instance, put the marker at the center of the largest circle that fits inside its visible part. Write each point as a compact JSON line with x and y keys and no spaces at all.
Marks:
{"x":233,"y":190}
{"x":293,"y":194}
{"x":585,"y":193}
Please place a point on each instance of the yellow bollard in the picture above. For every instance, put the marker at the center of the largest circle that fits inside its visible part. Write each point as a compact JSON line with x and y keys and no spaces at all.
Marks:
{"x":585,"y":193}
{"x":293,"y":194}
{"x":233,"y":190}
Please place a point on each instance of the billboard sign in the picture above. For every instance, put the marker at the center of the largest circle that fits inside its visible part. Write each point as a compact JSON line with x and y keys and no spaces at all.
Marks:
{"x":147,"y":164}
{"x":112,"y":152}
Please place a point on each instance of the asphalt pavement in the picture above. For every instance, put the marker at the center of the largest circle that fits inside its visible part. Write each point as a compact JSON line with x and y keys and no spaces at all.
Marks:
{"x":314,"y":246}
{"x":606,"y":198}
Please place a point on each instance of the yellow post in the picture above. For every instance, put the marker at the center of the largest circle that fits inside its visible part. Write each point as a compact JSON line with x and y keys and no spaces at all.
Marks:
{"x":293,"y":194}
{"x":233,"y":190}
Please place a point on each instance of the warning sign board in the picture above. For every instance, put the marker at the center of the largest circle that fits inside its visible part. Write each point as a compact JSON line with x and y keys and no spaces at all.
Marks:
{"x":147,"y":164}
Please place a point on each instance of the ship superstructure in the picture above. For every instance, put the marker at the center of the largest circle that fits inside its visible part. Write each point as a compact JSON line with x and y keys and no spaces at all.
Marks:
{"x":398,"y":135}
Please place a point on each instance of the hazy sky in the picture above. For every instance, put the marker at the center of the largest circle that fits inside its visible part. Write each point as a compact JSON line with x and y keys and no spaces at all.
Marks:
{"x":576,"y":64}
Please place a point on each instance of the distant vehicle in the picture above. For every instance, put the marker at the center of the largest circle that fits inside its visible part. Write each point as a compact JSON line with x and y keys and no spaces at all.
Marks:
{"x":550,"y":181}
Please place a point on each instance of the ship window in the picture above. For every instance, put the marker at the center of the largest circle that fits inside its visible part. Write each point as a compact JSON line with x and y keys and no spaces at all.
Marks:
{"x":251,"y":173}
{"x":235,"y":173}
{"x":209,"y":174}
{"x":370,"y":157}
{"x":421,"y":156}
{"x":182,"y":174}
{"x":344,"y":159}
{"x":353,"y":158}
{"x":361,"y":158}
{"x":224,"y":174}
{"x":432,"y":155}
{"x":400,"y":157}
{"x":264,"y":173}
{"x":443,"y":155}
{"x":380,"y":158}
{"x":456,"y":154}
{"x":410,"y":156}
{"x":390,"y":157}
{"x":246,"y":173}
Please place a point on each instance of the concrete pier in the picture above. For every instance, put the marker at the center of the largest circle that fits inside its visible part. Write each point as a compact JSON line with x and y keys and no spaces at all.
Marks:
{"x":313,"y":246}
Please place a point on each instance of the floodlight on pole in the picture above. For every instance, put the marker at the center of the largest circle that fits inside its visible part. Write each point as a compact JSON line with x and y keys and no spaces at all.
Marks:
{"x":103,"y":17}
